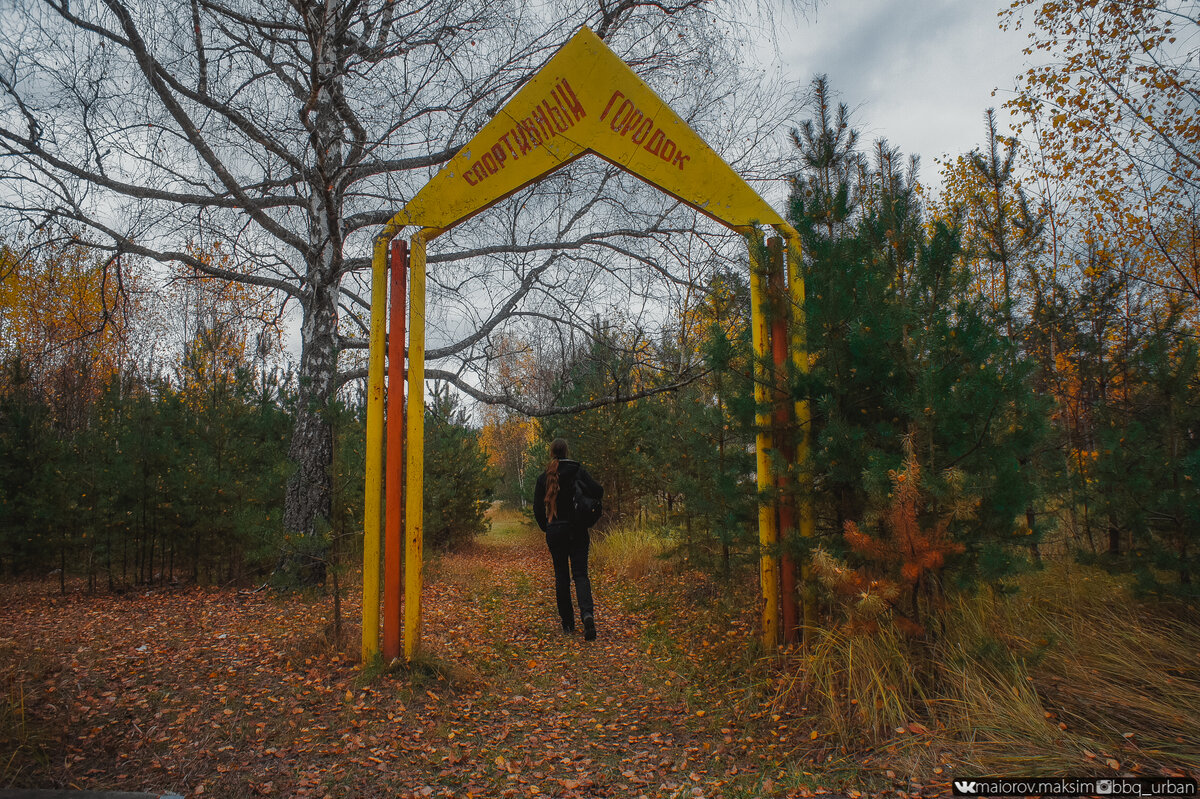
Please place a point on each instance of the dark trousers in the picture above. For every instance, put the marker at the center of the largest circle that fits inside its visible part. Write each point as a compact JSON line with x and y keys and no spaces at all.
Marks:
{"x":569,"y":550}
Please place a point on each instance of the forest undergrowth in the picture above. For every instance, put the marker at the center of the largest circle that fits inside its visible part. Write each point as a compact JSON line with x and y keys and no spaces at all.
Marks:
{"x":240,"y":693}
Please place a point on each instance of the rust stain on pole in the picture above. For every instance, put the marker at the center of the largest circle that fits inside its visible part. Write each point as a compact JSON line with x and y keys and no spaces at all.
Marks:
{"x":393,"y":548}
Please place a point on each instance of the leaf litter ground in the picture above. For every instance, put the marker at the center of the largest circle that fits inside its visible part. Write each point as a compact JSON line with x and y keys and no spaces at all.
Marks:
{"x":236,"y":694}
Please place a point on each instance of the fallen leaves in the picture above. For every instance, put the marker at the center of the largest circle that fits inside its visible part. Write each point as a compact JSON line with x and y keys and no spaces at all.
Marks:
{"x":507,"y":708}
{"x":240,"y":697}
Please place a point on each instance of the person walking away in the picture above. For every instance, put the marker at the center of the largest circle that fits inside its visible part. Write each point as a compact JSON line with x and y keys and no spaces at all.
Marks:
{"x":567,"y":534}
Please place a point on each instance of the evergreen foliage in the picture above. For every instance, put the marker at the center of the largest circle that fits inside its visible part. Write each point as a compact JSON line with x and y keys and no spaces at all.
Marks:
{"x":26,"y":449}
{"x":157,"y":486}
{"x":459,"y":481}
{"x":183,"y":479}
{"x":903,"y":349}
{"x":717,"y":463}
{"x":1147,"y":466}
{"x":619,"y":443}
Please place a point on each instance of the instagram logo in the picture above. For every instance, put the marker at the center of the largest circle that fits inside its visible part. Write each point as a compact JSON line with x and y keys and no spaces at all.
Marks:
{"x":1104,"y":786}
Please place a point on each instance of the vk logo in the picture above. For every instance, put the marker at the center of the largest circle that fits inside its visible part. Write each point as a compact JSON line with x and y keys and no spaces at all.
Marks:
{"x":964,"y":788}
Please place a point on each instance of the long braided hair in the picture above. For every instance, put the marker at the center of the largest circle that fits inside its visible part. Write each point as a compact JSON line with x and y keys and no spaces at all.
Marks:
{"x":558,"y":451}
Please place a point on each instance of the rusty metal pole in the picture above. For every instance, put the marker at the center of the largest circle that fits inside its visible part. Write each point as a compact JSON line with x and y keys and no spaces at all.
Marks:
{"x":393,"y":544}
{"x":784,"y":430}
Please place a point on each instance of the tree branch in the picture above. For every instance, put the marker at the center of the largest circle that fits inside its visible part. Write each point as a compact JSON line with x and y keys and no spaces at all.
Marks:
{"x":509,"y":400}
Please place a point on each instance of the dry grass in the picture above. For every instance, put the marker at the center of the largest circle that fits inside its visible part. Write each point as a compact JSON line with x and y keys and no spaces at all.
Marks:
{"x":15,"y":733}
{"x":22,"y":733}
{"x":630,"y":551}
{"x":1068,"y":673}
{"x":1076,"y":665}
{"x":862,"y":687}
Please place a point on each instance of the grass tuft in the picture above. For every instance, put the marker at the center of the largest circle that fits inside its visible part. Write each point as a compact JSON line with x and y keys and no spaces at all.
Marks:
{"x":862,"y":687}
{"x":1074,"y":664}
{"x":631,"y":552}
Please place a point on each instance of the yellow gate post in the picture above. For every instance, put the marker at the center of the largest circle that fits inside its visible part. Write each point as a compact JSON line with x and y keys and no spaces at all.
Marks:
{"x":803,"y":417}
{"x":768,"y":535}
{"x":372,"y":493}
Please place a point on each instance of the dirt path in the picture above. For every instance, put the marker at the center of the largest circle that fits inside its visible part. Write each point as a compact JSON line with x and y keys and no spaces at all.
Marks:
{"x":230,"y":694}
{"x":563,"y":715}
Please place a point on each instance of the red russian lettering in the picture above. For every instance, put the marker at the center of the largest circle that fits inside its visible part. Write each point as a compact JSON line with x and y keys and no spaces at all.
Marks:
{"x":508,"y":144}
{"x":499,"y":154}
{"x":547,"y":130}
{"x":556,"y":116}
{"x":643,"y":131}
{"x":668,"y":151}
{"x":531,"y":130}
{"x":656,"y":141}
{"x":572,"y":102}
{"x":490,"y":167}
{"x":680,"y":158}
{"x":480,"y":172}
{"x":522,"y":137}
{"x":615,"y":124}
{"x":631,"y":121}
{"x":611,"y":100}
{"x":556,"y":96}
{"x":468,"y":177}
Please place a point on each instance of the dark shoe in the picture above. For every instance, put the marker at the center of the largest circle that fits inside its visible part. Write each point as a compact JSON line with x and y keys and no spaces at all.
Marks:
{"x":589,"y":628}
{"x":569,"y":629}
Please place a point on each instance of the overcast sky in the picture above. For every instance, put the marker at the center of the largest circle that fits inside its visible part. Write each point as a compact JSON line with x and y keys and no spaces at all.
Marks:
{"x":917,"y":72}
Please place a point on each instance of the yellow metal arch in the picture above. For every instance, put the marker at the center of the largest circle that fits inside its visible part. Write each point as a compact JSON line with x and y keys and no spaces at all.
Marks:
{"x":584,"y":100}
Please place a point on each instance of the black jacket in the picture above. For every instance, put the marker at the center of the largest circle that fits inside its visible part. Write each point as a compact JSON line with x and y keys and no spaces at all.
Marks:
{"x":568,"y":473}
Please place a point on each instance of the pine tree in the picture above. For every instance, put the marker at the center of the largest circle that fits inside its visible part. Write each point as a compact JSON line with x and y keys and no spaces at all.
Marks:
{"x":1147,"y":465}
{"x":459,"y":482}
{"x":617,"y":442}
{"x":904,"y":560}
{"x":903,"y":350}
{"x":719,"y":487}
{"x":25,"y":452}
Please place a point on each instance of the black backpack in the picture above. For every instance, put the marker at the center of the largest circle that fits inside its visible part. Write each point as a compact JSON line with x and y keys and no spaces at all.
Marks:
{"x":587,"y":509}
